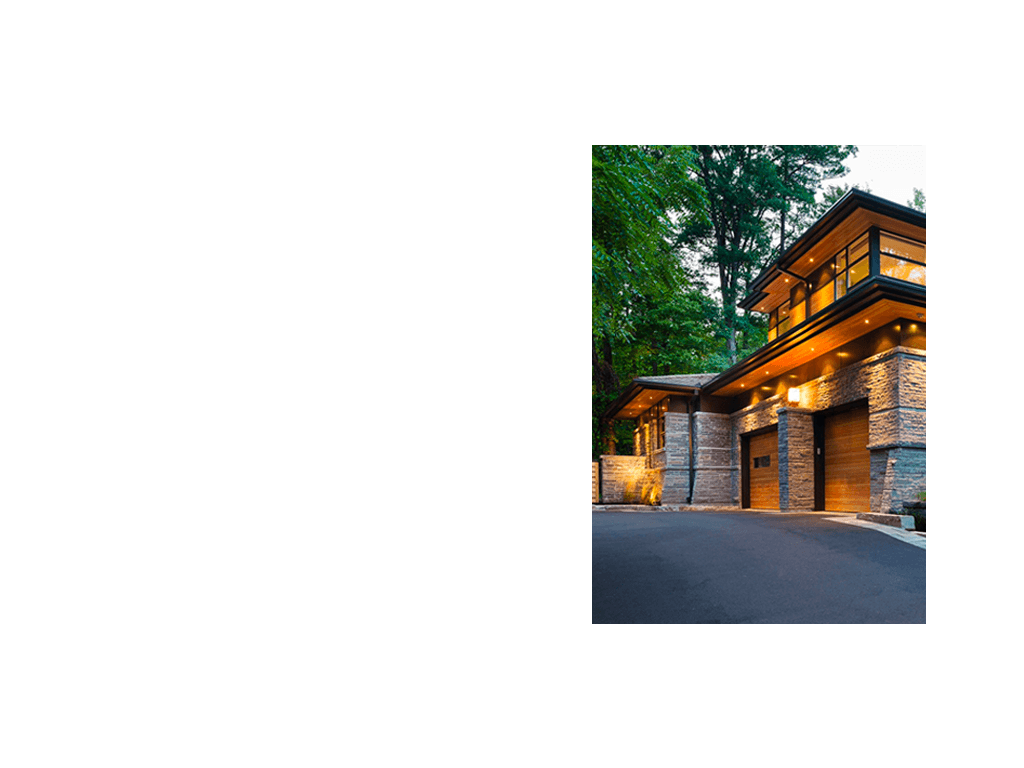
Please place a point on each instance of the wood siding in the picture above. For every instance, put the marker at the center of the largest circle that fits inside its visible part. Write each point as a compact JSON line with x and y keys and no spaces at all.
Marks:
{"x":847,"y":461}
{"x":764,"y":481}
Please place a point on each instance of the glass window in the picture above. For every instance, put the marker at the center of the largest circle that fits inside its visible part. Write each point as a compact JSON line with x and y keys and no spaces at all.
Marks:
{"x":841,"y":259}
{"x":902,"y":270}
{"x":858,"y":272}
{"x":799,"y":313}
{"x":783,"y":311}
{"x":771,"y":333}
{"x":859,"y":248}
{"x":841,"y":286}
{"x":784,"y":326}
{"x":821,"y":298}
{"x":901,"y":247}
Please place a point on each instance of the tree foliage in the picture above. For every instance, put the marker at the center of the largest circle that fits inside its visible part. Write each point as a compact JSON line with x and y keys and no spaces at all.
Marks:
{"x":750,"y":190}
{"x":678,"y":234}
{"x":641,"y":292}
{"x":918,"y":202}
{"x":638,"y":193}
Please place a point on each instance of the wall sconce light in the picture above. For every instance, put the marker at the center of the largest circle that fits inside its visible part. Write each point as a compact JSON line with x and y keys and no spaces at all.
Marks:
{"x":794,"y":395}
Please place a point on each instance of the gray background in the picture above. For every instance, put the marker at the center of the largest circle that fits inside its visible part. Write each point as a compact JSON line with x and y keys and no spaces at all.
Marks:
{"x":295,"y":306}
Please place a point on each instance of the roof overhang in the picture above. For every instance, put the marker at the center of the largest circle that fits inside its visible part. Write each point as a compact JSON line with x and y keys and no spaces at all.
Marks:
{"x":639,"y":396}
{"x":872,"y":304}
{"x":852,"y":215}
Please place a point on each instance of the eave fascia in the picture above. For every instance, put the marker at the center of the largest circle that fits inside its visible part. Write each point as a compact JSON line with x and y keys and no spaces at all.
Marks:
{"x":635,"y":388}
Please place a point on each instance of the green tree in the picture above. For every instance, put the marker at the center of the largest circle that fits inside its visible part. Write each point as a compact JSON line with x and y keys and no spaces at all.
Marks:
{"x":751,"y":189}
{"x":800,"y":170}
{"x":641,"y":197}
{"x":805,"y":214}
{"x":918,"y":202}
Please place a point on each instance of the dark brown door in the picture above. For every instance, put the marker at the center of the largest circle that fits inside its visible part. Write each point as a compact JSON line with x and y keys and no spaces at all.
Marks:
{"x":763,"y":469}
{"x":847,"y":461}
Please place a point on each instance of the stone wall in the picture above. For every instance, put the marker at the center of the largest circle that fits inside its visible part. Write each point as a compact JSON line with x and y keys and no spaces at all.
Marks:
{"x":893,"y":382}
{"x":796,"y":459}
{"x":897,"y":475}
{"x":713,"y":476}
{"x":675,"y":467}
{"x":623,"y":479}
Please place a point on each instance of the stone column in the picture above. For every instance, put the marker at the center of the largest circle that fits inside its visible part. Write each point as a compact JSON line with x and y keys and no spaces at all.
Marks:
{"x":675,"y":482}
{"x":897,"y":432}
{"x":796,"y":460}
{"x":713,"y":476}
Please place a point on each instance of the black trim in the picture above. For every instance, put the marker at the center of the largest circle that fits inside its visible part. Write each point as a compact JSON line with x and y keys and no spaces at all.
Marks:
{"x":874,"y":267}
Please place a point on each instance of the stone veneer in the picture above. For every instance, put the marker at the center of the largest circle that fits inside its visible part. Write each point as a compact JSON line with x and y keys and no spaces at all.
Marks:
{"x":673,"y":462}
{"x":796,"y":459}
{"x":622,"y":476}
{"x":712,"y":476}
{"x":893,"y":382}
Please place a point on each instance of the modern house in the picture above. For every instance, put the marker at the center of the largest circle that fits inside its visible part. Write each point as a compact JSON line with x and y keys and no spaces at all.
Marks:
{"x":830,"y":413}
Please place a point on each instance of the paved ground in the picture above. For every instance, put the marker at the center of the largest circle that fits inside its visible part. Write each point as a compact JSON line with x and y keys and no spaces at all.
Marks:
{"x":743,"y":568}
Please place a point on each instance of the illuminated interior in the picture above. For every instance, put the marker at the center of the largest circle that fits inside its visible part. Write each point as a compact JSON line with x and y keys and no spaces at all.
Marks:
{"x":900,"y":258}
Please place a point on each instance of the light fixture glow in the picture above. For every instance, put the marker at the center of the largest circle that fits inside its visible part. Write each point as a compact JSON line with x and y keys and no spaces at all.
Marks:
{"x":794,"y":395}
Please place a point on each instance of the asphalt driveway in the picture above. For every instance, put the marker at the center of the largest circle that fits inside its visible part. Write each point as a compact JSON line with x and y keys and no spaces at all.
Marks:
{"x":751,"y":568}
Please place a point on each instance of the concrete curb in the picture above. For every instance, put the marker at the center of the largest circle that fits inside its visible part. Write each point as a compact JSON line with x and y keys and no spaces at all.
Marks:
{"x":909,"y":537}
{"x":905,"y":522}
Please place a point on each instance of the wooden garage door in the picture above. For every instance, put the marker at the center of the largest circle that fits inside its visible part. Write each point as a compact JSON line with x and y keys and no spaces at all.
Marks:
{"x":847,"y":462}
{"x":763,"y":466}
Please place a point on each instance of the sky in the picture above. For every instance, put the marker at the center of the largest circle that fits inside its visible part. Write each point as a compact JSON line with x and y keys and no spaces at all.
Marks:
{"x":891,"y":171}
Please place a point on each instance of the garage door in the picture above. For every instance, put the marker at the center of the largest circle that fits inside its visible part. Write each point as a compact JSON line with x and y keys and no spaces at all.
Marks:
{"x":847,"y":462}
{"x":763,"y":469}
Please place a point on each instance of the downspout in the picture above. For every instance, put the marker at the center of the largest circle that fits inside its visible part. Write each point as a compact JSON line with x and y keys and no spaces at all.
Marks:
{"x":691,"y":406}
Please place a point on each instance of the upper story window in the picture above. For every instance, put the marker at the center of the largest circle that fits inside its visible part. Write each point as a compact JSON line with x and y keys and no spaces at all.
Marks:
{"x":901,"y":258}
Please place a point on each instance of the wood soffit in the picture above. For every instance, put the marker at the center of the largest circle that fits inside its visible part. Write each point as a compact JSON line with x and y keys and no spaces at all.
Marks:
{"x":871,"y":317}
{"x":645,"y":398}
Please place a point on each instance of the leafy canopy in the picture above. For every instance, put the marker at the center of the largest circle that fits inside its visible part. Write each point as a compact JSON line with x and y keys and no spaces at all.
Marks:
{"x":640,"y":194}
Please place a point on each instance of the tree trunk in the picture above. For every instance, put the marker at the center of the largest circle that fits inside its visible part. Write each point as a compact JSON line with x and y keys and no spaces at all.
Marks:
{"x":782,"y":231}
